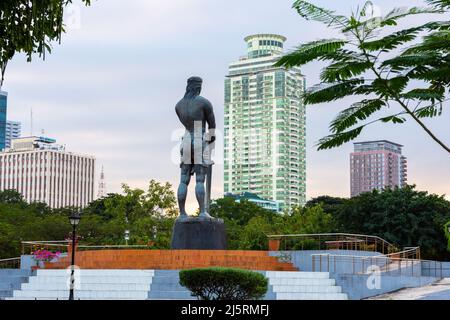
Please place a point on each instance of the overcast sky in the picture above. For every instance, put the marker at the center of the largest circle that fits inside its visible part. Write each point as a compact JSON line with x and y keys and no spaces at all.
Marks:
{"x":110,"y":88}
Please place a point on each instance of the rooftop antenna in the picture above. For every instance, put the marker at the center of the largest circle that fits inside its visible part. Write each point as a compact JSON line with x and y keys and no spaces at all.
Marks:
{"x":31,"y":129}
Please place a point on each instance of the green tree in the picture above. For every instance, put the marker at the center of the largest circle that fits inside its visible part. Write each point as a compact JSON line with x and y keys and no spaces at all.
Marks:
{"x":447,"y":234}
{"x":402,"y":216}
{"x":329,"y":204}
{"x":368,"y":65}
{"x":224,"y":283}
{"x":242,"y":219}
{"x":12,"y":197}
{"x":309,"y":220}
{"x":29,"y":26}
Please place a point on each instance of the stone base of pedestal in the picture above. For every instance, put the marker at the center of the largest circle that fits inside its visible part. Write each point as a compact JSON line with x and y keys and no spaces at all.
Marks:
{"x":199,"y":234}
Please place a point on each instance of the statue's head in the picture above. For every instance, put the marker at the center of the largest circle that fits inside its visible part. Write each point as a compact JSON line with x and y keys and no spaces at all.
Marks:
{"x":194,"y":87}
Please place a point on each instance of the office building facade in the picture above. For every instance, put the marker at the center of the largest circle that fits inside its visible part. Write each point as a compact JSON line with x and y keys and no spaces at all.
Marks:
{"x":43,"y":171}
{"x":3,"y":109}
{"x":376,"y":165}
{"x":264,"y":125}
{"x":13,"y":131}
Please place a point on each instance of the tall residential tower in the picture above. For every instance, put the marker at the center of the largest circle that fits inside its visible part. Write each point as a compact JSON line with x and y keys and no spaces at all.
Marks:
{"x":376,"y":165}
{"x":264,"y":147}
{"x":3,"y":106}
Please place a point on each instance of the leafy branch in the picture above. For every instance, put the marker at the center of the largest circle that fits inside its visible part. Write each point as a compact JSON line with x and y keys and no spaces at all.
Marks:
{"x":382,"y":67}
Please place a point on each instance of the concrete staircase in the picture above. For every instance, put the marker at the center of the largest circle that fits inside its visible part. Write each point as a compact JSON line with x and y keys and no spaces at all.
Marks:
{"x":166,"y":286}
{"x":121,"y":284}
{"x":304,"y":286}
{"x":11,"y":279}
{"x":90,"y":285}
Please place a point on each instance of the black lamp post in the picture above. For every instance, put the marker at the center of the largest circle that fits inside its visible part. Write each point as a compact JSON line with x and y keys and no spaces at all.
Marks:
{"x":74,"y":221}
{"x":127,"y":236}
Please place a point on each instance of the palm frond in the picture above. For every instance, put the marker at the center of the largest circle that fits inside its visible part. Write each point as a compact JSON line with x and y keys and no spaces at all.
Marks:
{"x":310,"y":51}
{"x":429,"y":111}
{"x":315,"y":13}
{"x":387,"y":87}
{"x":357,"y":111}
{"x":338,"y":139}
{"x":424,"y":94}
{"x":408,"y":60}
{"x":343,"y":70}
{"x":326,"y":92}
{"x":436,"y":41}
{"x":397,"y":13}
{"x":393,"y":119}
{"x":442,"y":4}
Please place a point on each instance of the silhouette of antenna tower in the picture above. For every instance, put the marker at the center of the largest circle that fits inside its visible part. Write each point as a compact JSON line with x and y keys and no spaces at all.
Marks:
{"x":101,"y":185}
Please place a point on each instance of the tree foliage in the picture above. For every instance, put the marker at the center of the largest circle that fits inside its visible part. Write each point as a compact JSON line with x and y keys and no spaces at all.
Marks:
{"x":248,"y":225}
{"x":224,"y":283}
{"x":150,"y":217}
{"x":402,"y":216}
{"x":408,"y":68}
{"x":29,"y":26}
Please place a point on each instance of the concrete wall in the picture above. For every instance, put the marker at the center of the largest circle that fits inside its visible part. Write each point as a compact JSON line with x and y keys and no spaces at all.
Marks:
{"x":431,"y":269}
{"x":360,"y":286}
{"x":27,"y":261}
{"x":363,"y":286}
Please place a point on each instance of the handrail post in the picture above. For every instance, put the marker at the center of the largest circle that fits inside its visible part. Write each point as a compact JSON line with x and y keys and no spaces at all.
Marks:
{"x":328,"y":263}
{"x":334,"y":259}
{"x":320,"y":268}
{"x":353,"y":263}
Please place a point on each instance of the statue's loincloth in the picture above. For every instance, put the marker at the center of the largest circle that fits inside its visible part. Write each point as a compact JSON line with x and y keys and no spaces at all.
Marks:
{"x":195,"y":152}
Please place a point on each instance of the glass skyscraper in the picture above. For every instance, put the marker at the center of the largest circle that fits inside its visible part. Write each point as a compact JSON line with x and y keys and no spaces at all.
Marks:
{"x":264,"y":125}
{"x":3,"y":105}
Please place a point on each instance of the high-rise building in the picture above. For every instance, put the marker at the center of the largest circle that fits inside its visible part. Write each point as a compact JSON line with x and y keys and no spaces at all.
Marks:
{"x":3,"y":108}
{"x":264,"y":125}
{"x":376,"y":165}
{"x":43,"y":171}
{"x":13,"y":131}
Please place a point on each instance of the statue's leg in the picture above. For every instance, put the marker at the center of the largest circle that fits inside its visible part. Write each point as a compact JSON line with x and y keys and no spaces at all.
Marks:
{"x":183,"y":188}
{"x":200,"y":176}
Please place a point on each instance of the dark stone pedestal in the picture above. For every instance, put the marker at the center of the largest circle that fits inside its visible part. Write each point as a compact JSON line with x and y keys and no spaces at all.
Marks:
{"x":199,"y":234}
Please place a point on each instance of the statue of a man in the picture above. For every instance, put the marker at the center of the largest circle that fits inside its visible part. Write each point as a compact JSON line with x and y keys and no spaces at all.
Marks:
{"x":194,"y":113}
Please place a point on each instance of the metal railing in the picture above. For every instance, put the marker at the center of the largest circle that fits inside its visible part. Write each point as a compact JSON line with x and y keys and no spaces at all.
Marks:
{"x":63,"y":246}
{"x":327,"y":241}
{"x":385,"y":264}
{"x":28,"y":247}
{"x":11,"y":263}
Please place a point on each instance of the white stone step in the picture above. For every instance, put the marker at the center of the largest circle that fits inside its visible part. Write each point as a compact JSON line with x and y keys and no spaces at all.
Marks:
{"x":79,"y":294}
{"x":34,"y":286}
{"x":310,"y":296}
{"x":97,"y":272}
{"x":92,"y":279}
{"x":76,"y":298}
{"x":302,"y":282}
{"x":306,"y":289}
{"x":297,"y":274}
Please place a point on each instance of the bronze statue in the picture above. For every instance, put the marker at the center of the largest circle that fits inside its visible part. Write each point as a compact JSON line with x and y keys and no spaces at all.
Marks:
{"x":195,"y":112}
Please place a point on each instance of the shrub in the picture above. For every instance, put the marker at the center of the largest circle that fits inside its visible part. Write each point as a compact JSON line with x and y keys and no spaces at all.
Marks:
{"x":224,"y":283}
